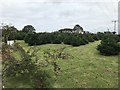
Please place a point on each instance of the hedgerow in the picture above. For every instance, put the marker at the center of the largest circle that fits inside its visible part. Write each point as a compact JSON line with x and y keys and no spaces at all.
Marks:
{"x":73,"y":39}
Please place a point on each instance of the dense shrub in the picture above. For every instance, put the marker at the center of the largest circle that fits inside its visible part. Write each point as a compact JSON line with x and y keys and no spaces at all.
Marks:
{"x":20,"y":35}
{"x":57,"y":39}
{"x":73,"y":39}
{"x":43,"y":38}
{"x":67,"y":39}
{"x":28,"y":38}
{"x":33,"y":40}
{"x":89,"y":37}
{"x":95,"y":37}
{"x":85,"y":40}
{"x":12,"y":36}
{"x":109,"y":45}
{"x":24,"y":68}
{"x":100,"y":35}
{"x":117,"y":38}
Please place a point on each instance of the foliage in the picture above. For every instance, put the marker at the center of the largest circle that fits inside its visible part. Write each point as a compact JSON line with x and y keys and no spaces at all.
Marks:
{"x":28,"y":28}
{"x":95,"y":37}
{"x":109,"y":45}
{"x":80,"y":68}
{"x":28,"y":37}
{"x":15,"y":67}
{"x":8,"y":32}
{"x":100,"y":35}
{"x":33,"y":40}
{"x":73,"y":39}
{"x":12,"y":67}
{"x":20,"y":35}
{"x":52,"y":55}
{"x":76,"y":41}
{"x":26,"y":66}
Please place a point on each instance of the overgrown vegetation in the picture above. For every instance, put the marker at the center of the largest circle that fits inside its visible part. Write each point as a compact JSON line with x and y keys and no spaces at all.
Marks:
{"x":36,"y":68}
{"x":83,"y":71}
{"x":29,"y":66}
{"x":24,"y":67}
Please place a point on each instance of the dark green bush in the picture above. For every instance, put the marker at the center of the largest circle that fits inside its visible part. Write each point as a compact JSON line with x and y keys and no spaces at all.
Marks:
{"x":100,"y":35}
{"x":20,"y":35}
{"x":28,"y":38}
{"x":33,"y":40}
{"x":57,"y":39}
{"x":67,"y":39}
{"x":85,"y":40}
{"x":109,"y":46}
{"x":95,"y":37}
{"x":73,"y":39}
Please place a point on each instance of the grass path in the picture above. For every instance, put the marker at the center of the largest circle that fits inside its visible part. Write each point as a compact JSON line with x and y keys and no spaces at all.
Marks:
{"x":87,"y":69}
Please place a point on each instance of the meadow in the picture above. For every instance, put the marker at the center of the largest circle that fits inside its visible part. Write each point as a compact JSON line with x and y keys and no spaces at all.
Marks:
{"x":86,"y":68}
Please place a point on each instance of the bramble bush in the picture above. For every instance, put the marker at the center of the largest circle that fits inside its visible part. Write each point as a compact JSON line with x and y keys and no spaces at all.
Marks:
{"x":12,"y":67}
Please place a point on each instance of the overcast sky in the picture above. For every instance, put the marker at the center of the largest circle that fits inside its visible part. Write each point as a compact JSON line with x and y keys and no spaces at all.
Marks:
{"x":52,"y":15}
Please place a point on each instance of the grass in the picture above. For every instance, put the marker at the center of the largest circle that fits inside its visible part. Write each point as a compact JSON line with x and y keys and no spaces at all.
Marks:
{"x":87,"y":68}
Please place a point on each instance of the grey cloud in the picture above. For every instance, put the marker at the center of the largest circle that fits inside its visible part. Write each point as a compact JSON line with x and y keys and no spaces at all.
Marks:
{"x":49,"y":15}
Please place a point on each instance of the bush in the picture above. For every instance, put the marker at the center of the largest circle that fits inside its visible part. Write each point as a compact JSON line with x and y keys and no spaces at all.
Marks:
{"x":57,"y":39}
{"x":85,"y":40}
{"x":77,"y":41}
{"x":24,"y":68}
{"x":28,"y":37}
{"x":67,"y":39}
{"x":109,"y":46}
{"x":100,"y":35}
{"x":73,"y":39}
{"x":89,"y":37}
{"x":34,"y":40}
{"x":20,"y":35}
{"x":95,"y":37}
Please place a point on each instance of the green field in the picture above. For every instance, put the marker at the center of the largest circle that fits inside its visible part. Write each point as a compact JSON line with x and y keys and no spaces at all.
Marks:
{"x":86,"y":69}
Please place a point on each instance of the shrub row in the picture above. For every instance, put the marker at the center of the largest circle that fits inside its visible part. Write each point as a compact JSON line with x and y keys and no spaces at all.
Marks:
{"x":19,"y":35}
{"x":58,"y":38}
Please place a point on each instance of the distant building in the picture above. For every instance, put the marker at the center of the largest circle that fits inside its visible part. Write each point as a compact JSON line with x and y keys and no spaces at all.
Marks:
{"x":77,"y":29}
{"x":66,"y":30}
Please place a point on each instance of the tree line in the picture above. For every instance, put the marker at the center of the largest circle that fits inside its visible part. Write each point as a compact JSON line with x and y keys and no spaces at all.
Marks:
{"x":10,"y":32}
{"x":109,"y":41}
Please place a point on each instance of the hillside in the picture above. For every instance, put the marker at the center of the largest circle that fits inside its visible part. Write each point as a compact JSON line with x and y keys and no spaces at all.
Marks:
{"x":86,"y":68}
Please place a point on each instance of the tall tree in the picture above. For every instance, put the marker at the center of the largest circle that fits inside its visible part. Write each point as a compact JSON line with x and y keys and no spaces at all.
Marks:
{"x":8,"y":31}
{"x":28,"y":28}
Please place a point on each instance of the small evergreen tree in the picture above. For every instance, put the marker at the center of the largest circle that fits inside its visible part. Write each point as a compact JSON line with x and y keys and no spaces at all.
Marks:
{"x":76,"y":41}
{"x":109,"y":46}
